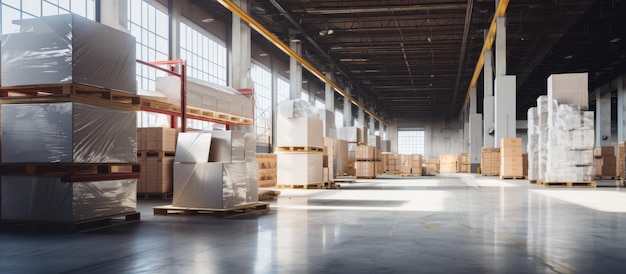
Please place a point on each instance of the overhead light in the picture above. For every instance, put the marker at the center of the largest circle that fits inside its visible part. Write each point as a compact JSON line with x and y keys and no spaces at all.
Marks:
{"x":330,"y":32}
{"x":615,"y":40}
{"x":429,"y":39}
{"x":263,"y":54}
{"x":326,"y":32}
{"x":371,"y":70}
{"x":568,"y":57}
{"x":305,"y":81}
{"x":207,"y":20}
{"x":295,"y":40}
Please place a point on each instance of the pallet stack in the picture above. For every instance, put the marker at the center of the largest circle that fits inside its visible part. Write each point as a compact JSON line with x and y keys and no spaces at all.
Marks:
{"x":73,"y":155}
{"x":366,"y":159}
{"x":532,"y":161}
{"x":300,"y":146}
{"x":354,"y":136}
{"x":411,"y":164}
{"x":156,"y":148}
{"x":511,"y":166}
{"x":604,"y":162}
{"x":267,"y":169}
{"x":392,"y":163}
{"x":490,"y":161}
{"x":432,"y":166}
{"x":448,"y":163}
{"x":463,"y":163}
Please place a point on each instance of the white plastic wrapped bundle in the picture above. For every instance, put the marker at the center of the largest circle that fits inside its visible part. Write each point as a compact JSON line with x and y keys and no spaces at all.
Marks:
{"x":68,"y":133}
{"x":542,"y":130}
{"x":533,"y":120}
{"x":33,"y":198}
{"x":297,"y":108}
{"x":533,"y":156}
{"x":63,"y":49}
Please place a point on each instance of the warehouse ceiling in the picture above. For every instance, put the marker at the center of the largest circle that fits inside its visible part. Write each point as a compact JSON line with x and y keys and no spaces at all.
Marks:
{"x":413,"y":59}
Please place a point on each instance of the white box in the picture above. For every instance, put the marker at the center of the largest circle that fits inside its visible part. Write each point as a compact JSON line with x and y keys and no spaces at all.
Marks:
{"x":300,"y":169}
{"x":569,"y":88}
{"x":215,"y":185}
{"x":300,"y":131}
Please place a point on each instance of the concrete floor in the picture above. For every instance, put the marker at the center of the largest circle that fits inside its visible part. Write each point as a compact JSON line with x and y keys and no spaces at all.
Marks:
{"x":443,"y":224}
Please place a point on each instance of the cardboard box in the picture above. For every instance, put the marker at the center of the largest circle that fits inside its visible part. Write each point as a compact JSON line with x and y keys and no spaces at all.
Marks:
{"x":158,"y":139}
{"x":599,"y":152}
{"x":604,"y":170}
{"x":159,"y":174}
{"x":511,"y":152}
{"x":365,"y":169}
{"x":300,"y":169}
{"x":605,"y":161}
{"x":300,"y":131}
{"x":569,"y":88}
{"x":511,"y":143}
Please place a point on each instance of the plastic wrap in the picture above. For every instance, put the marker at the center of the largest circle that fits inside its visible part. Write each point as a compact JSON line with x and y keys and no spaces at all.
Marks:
{"x":296,"y":108}
{"x":232,"y":146}
{"x":349,"y":134}
{"x":206,"y":95}
{"x":533,"y":120}
{"x":328,"y":118}
{"x":300,"y":169}
{"x":533,"y":156}
{"x":68,"y":133}
{"x":68,"y":48}
{"x":300,"y":131}
{"x":193,"y":147}
{"x":32,"y":198}
{"x":214,"y":185}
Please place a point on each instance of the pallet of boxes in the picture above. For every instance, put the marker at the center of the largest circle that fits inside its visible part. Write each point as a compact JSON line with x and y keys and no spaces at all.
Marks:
{"x":411,"y":164}
{"x":604,"y":162}
{"x":354,"y":136}
{"x":490,"y":161}
{"x":299,"y":146}
{"x":619,"y":162}
{"x":156,"y":148}
{"x":511,"y":166}
{"x":571,"y":134}
{"x":448,"y":163}
{"x":392,"y":163}
{"x":69,"y":161}
{"x":335,"y":161}
{"x":432,"y":166}
{"x":463,"y":163}
{"x":366,"y":161}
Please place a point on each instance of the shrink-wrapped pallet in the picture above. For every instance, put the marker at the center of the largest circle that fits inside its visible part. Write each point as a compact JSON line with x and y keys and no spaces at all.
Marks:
{"x":65,"y":49}
{"x":68,"y":133}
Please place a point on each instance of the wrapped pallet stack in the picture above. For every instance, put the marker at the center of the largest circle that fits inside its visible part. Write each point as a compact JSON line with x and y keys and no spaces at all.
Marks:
{"x":447,"y":163}
{"x":432,"y":166}
{"x":156,"y":148}
{"x":511,"y":166}
{"x":74,"y":162}
{"x":542,"y":133}
{"x":533,"y":144}
{"x":300,"y":146}
{"x":604,"y":162}
{"x":215,"y":170}
{"x":490,"y":161}
{"x":366,"y":161}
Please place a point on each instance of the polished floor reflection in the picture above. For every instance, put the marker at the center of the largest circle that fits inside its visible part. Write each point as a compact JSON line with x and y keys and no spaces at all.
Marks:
{"x":435,"y":224}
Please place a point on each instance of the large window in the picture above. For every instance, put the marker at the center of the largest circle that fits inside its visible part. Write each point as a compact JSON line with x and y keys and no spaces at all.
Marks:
{"x":24,"y":9}
{"x":262,"y":79}
{"x":282,"y":88}
{"x":411,"y":142}
{"x":206,"y":56}
{"x":149,"y":25}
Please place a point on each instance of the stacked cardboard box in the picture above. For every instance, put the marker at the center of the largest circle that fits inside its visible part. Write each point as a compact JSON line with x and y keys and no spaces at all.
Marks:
{"x":411,"y":164}
{"x":525,"y":164}
{"x":432,"y":166}
{"x":335,"y":158}
{"x":511,"y":165}
{"x":267,"y":169}
{"x":448,"y":163}
{"x":354,"y":136}
{"x":298,"y":127}
{"x":463,"y":163}
{"x":604,"y":162}
{"x":619,"y":161}
{"x":366,"y":161}
{"x":391,"y":163}
{"x":490,"y":161}
{"x":155,"y":150}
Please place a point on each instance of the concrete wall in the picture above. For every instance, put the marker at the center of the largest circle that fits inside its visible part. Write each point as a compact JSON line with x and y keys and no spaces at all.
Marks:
{"x":439,"y":137}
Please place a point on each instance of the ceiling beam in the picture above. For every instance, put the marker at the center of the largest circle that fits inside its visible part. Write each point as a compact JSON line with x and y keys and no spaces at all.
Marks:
{"x":353,"y":10}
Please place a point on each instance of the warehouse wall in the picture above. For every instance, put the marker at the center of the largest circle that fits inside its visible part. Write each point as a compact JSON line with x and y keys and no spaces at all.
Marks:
{"x":440,"y":136}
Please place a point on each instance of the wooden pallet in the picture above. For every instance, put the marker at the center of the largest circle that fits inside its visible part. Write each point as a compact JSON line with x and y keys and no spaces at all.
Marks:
{"x":159,"y":154}
{"x":268,"y":194}
{"x":410,"y":175}
{"x":72,"y":227}
{"x":300,"y":149}
{"x":70,"y":93}
{"x":67,"y":169}
{"x":232,"y":212}
{"x":567,"y":184}
{"x":308,"y":186}
{"x":605,"y":178}
{"x":198,"y":112}
{"x":154,"y":196}
{"x":532,"y":181}
{"x":512,"y":177}
{"x":267,"y":182}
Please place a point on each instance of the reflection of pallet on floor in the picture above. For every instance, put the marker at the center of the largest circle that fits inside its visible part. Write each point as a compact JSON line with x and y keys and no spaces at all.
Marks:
{"x":72,"y":227}
{"x":567,"y":184}
{"x":236,"y":211}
